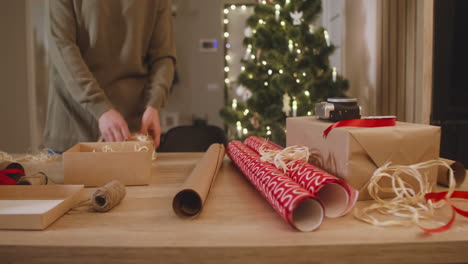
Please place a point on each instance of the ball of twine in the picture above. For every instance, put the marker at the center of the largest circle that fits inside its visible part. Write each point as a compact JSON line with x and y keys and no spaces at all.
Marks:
{"x":108,"y":196}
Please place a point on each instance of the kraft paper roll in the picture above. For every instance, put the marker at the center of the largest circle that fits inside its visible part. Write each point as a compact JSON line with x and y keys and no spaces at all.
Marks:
{"x":10,"y":165}
{"x":458,"y":171}
{"x":189,"y":200}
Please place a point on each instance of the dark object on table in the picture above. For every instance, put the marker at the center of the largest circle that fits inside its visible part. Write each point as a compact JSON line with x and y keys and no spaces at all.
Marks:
{"x":337,"y":109}
{"x":191,"y":138}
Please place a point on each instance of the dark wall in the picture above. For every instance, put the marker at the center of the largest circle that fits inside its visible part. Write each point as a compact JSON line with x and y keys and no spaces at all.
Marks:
{"x":450,"y":95}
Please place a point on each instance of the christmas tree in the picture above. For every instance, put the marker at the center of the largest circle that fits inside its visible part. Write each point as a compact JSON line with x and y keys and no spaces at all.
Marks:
{"x":286,"y":69}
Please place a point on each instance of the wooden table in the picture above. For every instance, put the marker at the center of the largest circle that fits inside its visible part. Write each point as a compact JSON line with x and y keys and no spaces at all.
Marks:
{"x":236,"y":226}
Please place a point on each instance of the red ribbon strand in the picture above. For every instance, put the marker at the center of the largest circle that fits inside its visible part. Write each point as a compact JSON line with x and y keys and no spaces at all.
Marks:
{"x":371,"y":122}
{"x":435,"y":197}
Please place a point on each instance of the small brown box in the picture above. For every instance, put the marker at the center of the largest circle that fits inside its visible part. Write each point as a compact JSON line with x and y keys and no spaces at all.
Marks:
{"x":354,"y":153}
{"x":128,"y":162}
{"x":34,"y":207}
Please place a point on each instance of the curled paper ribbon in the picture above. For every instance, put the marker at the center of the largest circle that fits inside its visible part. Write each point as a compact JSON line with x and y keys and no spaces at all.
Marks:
{"x":409,"y":203}
{"x":366,"y":122}
{"x":336,"y":196}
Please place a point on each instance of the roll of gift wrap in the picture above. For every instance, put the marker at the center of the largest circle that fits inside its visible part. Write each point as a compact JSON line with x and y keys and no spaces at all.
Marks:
{"x":458,"y":171}
{"x":295,"y":204}
{"x":336,"y":196}
{"x":189,"y":199}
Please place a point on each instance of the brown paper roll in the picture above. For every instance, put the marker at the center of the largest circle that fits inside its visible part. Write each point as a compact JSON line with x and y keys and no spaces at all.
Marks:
{"x":458,"y":171}
{"x":189,"y":200}
{"x":10,"y":165}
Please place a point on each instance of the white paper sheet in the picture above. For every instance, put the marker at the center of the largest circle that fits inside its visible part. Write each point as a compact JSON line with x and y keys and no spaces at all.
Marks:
{"x":27,"y":206}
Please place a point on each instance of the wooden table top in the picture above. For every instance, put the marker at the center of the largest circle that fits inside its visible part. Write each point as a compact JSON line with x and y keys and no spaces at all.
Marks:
{"x":236,"y":226}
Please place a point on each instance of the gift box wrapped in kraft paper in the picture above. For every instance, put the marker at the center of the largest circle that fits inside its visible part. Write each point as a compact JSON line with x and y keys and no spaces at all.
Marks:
{"x":354,"y":153}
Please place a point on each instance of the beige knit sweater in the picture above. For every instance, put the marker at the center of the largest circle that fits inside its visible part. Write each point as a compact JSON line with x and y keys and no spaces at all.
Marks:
{"x":104,"y":54}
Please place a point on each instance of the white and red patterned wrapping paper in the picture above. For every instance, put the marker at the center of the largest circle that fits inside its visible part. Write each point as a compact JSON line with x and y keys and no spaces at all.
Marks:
{"x":338,"y":198}
{"x":296,"y":205}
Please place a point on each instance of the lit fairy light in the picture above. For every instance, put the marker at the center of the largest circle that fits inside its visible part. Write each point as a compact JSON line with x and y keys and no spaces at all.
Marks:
{"x":264,"y":62}
{"x":260,"y":21}
{"x":226,"y":34}
{"x":226,"y":11}
{"x":243,"y":7}
{"x":233,"y":7}
{"x":283,"y":23}
{"x":239,"y":129}
{"x":307,"y":93}
{"x":304,"y":74}
{"x":252,"y":57}
{"x":250,"y":76}
{"x":227,"y":81}
{"x":245,"y":131}
{"x":298,"y":81}
{"x":228,"y":58}
{"x":246,"y":111}
{"x":327,"y":37}
{"x":281,"y":71}
{"x":298,"y":51}
{"x":294,"y":108}
{"x":226,"y":21}
{"x":228,"y":46}
{"x":290,"y":45}
{"x":265,"y":83}
{"x":334,"y":74}
{"x":226,"y":69}
{"x":287,"y":2}
{"x":270,"y":72}
{"x":309,"y":113}
{"x":234,"y":107}
{"x":243,"y":68}
{"x":268,"y":133}
{"x":264,"y":2}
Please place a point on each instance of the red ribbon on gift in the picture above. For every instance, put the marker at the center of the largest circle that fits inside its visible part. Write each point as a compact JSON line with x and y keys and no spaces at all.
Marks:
{"x":435,"y":197}
{"x":365,"y":122}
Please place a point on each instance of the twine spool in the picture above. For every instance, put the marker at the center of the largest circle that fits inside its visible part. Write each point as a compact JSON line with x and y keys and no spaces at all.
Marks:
{"x":108,"y":196}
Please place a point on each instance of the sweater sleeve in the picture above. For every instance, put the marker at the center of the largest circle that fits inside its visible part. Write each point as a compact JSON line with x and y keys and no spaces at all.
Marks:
{"x":66,"y":57}
{"x":162,"y":56}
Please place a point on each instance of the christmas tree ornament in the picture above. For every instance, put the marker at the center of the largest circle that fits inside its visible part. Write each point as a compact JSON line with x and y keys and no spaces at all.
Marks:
{"x":240,"y":91}
{"x":286,"y":104}
{"x":311,"y":28}
{"x":254,"y":121}
{"x":297,"y":17}
{"x":248,"y":32}
{"x":247,"y":94}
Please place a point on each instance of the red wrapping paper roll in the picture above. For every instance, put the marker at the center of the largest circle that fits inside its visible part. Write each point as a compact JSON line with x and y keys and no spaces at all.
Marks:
{"x":295,"y":204}
{"x":337,"y":197}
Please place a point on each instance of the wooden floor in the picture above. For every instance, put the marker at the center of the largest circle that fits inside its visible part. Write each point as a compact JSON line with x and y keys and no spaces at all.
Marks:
{"x":236,"y":226}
